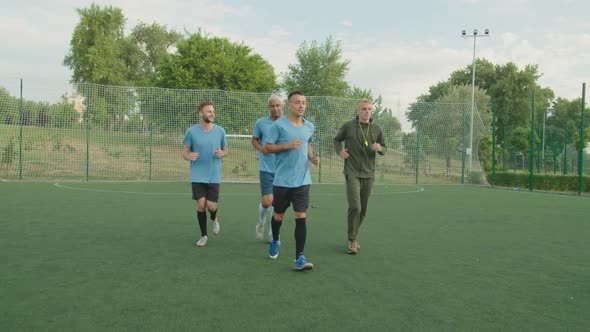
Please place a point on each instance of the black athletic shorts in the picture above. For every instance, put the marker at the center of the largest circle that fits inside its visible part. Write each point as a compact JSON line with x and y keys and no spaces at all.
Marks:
{"x":283,"y":197}
{"x":208,"y":190}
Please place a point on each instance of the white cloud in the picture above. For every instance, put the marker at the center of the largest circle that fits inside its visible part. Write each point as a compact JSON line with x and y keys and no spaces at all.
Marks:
{"x":509,"y":39}
{"x":346,"y":23}
{"x":561,"y":58}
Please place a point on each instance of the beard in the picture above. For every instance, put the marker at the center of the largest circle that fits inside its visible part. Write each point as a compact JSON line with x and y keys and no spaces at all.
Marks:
{"x":207,"y":120}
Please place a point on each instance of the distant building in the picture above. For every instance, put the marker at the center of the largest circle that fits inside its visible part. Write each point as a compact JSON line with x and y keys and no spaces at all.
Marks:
{"x":77,"y":102}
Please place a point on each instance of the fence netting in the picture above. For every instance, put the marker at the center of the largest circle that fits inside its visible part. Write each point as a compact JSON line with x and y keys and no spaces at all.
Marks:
{"x":112,"y":133}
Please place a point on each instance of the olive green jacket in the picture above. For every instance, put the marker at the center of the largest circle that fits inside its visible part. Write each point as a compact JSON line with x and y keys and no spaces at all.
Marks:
{"x":361,"y":162}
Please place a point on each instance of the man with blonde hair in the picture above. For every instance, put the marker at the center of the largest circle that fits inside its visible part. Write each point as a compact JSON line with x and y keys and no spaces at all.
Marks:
{"x":363,"y":139}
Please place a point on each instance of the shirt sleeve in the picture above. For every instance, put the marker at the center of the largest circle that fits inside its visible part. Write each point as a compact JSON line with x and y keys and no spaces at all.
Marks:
{"x":223,"y":138}
{"x":187,"y":139}
{"x":340,"y":136}
{"x":256,"y":133}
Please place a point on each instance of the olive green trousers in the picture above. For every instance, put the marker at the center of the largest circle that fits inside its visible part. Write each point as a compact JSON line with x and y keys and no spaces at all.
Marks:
{"x":358,"y":191}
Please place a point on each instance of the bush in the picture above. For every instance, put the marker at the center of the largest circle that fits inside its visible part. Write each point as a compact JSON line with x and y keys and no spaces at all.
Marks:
{"x":547,"y":182}
{"x":9,"y":153}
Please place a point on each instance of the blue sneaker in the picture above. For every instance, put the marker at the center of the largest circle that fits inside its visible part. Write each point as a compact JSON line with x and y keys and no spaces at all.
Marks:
{"x":302,"y":264}
{"x":273,"y":249}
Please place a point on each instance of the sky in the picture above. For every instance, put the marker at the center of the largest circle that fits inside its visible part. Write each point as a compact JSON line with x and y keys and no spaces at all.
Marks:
{"x":398,"y":49}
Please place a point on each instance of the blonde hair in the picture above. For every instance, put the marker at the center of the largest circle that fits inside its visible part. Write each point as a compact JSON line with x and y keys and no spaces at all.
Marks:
{"x":364,"y":101}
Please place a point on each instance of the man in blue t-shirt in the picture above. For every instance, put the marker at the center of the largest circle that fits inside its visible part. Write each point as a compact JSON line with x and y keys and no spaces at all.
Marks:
{"x":266,"y":163}
{"x":290,"y":139}
{"x":204,"y":145}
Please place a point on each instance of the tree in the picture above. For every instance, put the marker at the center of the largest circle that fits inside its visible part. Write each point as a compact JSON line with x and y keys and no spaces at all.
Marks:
{"x":520,"y":139}
{"x":8,"y":107}
{"x":95,"y":54}
{"x":320,"y":71}
{"x":485,"y":75}
{"x":508,"y":85}
{"x":203,"y":62}
{"x":449,"y":124}
{"x":144,"y":48}
{"x":586,"y":138}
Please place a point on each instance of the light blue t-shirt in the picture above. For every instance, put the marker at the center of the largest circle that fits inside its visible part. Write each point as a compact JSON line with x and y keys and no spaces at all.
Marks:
{"x":292,"y":166}
{"x":266,"y":162}
{"x":207,"y":167}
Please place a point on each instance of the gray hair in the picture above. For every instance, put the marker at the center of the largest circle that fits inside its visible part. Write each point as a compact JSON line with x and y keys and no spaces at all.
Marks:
{"x":274,"y":97}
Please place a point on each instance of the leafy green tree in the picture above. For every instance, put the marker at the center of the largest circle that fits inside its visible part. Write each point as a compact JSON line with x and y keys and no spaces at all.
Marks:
{"x":392,"y":128}
{"x":95,"y":53}
{"x":513,"y":92}
{"x":520,"y":139}
{"x":99,"y":54}
{"x":63,"y":114}
{"x":320,"y":70}
{"x":203,"y":62}
{"x":411,"y":148}
{"x":508,"y":85}
{"x":144,"y":48}
{"x":486,"y":75}
{"x":565,"y":110}
{"x":8,"y":107}
{"x":586,"y":138}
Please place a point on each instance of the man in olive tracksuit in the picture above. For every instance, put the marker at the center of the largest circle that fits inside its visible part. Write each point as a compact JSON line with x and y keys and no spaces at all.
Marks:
{"x":363,"y":139}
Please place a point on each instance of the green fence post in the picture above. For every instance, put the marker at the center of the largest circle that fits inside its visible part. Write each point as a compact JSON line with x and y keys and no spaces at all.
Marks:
{"x":554,"y":157}
{"x":582,"y":143}
{"x":538,"y":158}
{"x":565,"y":150}
{"x":503,"y":148}
{"x":532,"y":156}
{"x":493,"y":143}
{"x":150,"y":144}
{"x":20,"y":138}
{"x":87,"y":111}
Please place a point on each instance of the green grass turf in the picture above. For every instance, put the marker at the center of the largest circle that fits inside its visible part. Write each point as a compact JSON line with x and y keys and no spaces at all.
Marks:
{"x":121,"y":256}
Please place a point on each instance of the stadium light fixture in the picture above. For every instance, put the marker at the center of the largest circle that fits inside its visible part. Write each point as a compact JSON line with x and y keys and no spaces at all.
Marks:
{"x":474,"y":36}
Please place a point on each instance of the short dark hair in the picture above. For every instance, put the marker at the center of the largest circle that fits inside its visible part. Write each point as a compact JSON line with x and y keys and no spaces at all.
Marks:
{"x":203,"y":104}
{"x":298,"y":93}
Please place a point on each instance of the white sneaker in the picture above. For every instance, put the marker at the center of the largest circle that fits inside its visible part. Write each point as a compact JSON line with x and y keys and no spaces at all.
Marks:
{"x":215,"y":226}
{"x":202,"y":241}
{"x":259,"y":231}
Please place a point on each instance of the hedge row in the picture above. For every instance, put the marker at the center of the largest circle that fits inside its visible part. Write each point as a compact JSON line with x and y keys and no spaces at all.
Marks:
{"x":548,"y":182}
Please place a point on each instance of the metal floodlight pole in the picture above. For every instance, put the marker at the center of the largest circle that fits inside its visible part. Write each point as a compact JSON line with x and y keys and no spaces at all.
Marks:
{"x":474,"y":36}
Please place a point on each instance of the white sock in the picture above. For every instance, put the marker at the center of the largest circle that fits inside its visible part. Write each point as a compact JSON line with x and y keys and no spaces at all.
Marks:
{"x":262,"y":214}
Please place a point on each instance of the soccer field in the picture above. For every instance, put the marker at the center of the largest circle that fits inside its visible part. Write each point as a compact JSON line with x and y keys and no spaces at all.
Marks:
{"x":122,"y":256}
